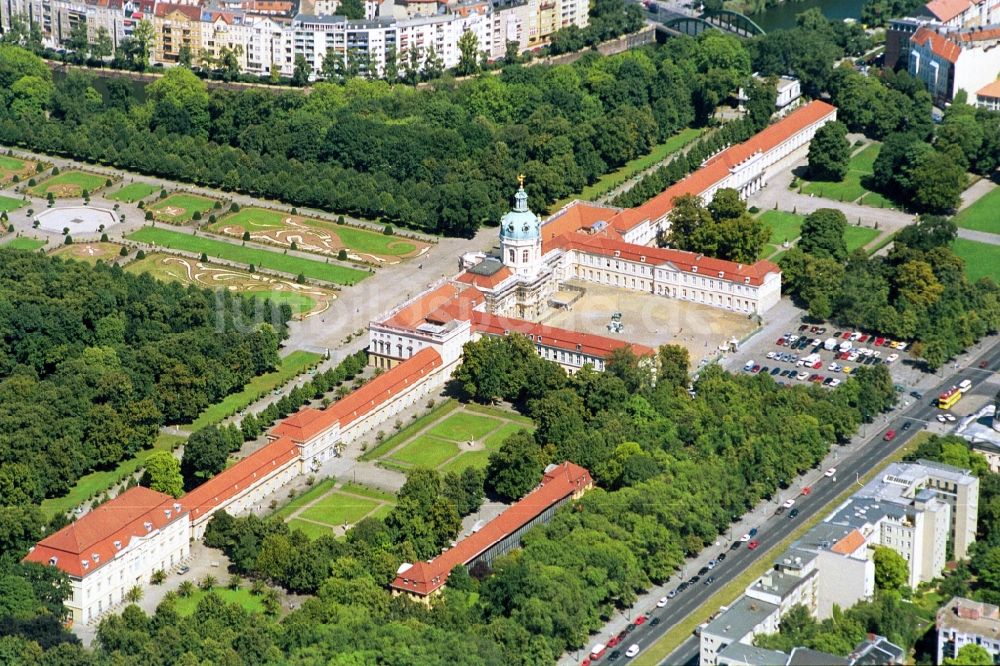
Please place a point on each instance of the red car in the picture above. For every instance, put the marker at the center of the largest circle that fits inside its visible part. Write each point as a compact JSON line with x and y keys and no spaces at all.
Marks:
{"x":753,"y":544}
{"x":806,"y":490}
{"x":847,"y":335}
{"x":817,"y":365}
{"x":864,"y":337}
{"x":755,"y":369}
{"x":640,"y":620}
{"x":982,"y":364}
{"x":613,"y":641}
{"x":879,"y":342}
{"x":889,"y":435}
{"x":843,"y":356}
{"x":780,"y":342}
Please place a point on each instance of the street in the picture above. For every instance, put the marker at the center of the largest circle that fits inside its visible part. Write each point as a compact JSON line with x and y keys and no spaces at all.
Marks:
{"x":774,"y":528}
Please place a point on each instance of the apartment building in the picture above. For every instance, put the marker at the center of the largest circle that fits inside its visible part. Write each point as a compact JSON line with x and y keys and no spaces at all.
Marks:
{"x":963,"y":622}
{"x":948,"y":60}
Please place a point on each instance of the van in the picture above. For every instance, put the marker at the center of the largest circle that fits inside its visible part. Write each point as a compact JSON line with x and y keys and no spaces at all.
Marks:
{"x":846,"y":346}
{"x":965,"y":385}
{"x":749,"y":366}
{"x":597,"y":651}
{"x":830,"y":344}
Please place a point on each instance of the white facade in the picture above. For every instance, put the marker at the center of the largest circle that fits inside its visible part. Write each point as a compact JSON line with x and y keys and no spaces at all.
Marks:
{"x":963,"y":622}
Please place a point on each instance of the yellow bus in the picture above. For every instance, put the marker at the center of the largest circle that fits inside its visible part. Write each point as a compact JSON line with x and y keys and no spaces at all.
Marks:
{"x":948,"y":399}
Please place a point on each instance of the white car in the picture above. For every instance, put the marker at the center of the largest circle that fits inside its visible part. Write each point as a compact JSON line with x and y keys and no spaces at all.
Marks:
{"x":853,"y":357}
{"x":802,"y":376}
{"x":877,"y":353}
{"x":834,"y":383}
{"x":830,"y":472}
{"x":833,"y":367}
{"x":941,"y":418}
{"x":950,"y":418}
{"x":902,"y":346}
{"x":745,"y":538}
{"x":770,"y":354}
{"x":866,"y":351}
{"x":891,"y":357}
{"x":662,"y":602}
{"x":856,"y":335}
{"x":788,"y":503}
{"x":817,"y":342}
{"x":793,"y":338}
{"x":632,"y":650}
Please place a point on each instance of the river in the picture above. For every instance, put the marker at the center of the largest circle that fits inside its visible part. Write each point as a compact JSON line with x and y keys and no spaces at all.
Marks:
{"x":783,"y":15}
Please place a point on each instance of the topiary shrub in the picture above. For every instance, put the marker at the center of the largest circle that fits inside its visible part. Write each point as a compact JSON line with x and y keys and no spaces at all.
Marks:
{"x":196,"y":216}
{"x":340,"y":219}
{"x":246,"y":235}
{"x":149,"y":215}
{"x":31,"y":182}
{"x":204,"y":257}
{"x":234,"y":207}
{"x":342,"y":254}
{"x":104,"y":238}
{"x":123,"y":252}
{"x":388,"y":230}
{"x":140,"y":254}
{"x":55,"y":171}
{"x":69,"y":240}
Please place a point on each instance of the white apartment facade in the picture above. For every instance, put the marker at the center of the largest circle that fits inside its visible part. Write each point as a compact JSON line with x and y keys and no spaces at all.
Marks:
{"x":963,"y":622}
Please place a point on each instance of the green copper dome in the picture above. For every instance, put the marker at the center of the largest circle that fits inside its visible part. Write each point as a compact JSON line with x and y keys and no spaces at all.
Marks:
{"x":520,"y":223}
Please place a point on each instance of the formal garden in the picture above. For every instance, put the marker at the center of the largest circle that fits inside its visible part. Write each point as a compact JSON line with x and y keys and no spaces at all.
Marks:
{"x":330,"y":507}
{"x":69,"y":184}
{"x":981,"y":259}
{"x":249,"y":256}
{"x":8,"y":204}
{"x":132,"y":192}
{"x":181,"y":207}
{"x":319,"y":236}
{"x":11,"y":167}
{"x":22,"y":243}
{"x":89,"y":252}
{"x":851,"y":188}
{"x":451,"y":437}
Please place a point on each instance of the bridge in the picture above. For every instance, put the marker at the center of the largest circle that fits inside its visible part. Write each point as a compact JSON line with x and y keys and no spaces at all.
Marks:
{"x":672,"y":21}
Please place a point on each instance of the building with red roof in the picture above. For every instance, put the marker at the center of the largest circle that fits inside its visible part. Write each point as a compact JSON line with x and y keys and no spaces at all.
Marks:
{"x":963,"y":13}
{"x":948,"y":59}
{"x":560,"y":484}
{"x":115,"y":547}
{"x":988,"y":97}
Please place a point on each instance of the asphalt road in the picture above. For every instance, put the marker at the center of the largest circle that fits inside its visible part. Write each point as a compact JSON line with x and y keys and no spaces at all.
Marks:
{"x":824,"y":490}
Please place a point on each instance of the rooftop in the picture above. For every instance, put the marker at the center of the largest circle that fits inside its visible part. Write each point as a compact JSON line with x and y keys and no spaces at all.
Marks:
{"x":801,"y":656}
{"x":970,"y":617}
{"x":900,"y":481}
{"x":596,"y":346}
{"x":991,"y":89}
{"x":778,"y":583}
{"x":741,"y":653}
{"x":877,"y":650}
{"x":946,"y":10}
{"x":558,"y":483}
{"x":740,"y":619}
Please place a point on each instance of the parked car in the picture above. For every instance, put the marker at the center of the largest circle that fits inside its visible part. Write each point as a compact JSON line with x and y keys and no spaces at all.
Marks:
{"x":788,"y":503}
{"x":662,"y":602}
{"x":889,"y":435}
{"x":641,"y":620}
{"x":755,"y":369}
{"x":834,"y":383}
{"x":830,"y":472}
{"x":703,"y":571}
{"x":720,"y":558}
{"x":891,"y":357}
{"x":183,"y":570}
{"x":736,"y":544}
{"x":950,"y":418}
{"x":941,"y":418}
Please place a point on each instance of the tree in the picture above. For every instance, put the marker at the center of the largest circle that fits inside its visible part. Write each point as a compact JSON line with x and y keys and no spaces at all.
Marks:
{"x":891,"y":570}
{"x":300,"y":75}
{"x":433,"y":65}
{"x":970,"y":655}
{"x":163,"y":473}
{"x":829,"y":153}
{"x":180,"y":102}
{"x":205,"y":454}
{"x":138,"y":45}
{"x":468,"y":60}
{"x":78,"y":40}
{"x":939,"y":179}
{"x":673,"y":362}
{"x":822,"y":234}
{"x":516,"y":467}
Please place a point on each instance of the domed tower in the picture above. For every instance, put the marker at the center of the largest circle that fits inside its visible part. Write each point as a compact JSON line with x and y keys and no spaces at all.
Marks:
{"x":521,"y":236}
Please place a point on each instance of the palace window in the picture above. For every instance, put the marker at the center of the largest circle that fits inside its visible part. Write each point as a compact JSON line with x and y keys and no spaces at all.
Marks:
{"x":524,"y":256}
{"x":511,"y":256}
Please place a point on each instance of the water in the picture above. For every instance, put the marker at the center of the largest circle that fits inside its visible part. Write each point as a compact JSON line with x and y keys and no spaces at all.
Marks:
{"x":783,"y":15}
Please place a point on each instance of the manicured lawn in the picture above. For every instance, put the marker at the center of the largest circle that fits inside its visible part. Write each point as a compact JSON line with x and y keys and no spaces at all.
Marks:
{"x":248,"y":255}
{"x":659,"y":153}
{"x":876,"y":200}
{"x":299,"y":302}
{"x":97,"y":482}
{"x":90,"y":253}
{"x":382,"y":511}
{"x":181,"y":207}
{"x":294,"y":364}
{"x":850,"y":188}
{"x":243,"y":597}
{"x":477,"y":459}
{"x":856,"y":237}
{"x":132,"y":192}
{"x":784,"y":226}
{"x":9,"y":203}
{"x":426,"y":451}
{"x":369,"y":241}
{"x":499,"y":413}
{"x":255,"y":218}
{"x":464,"y":427}
{"x":69,"y":184}
{"x":497,"y":437}
{"x":23,"y":243}
{"x":317,"y":491}
{"x":336,"y":509}
{"x":374,"y":493}
{"x":984,"y":215}
{"x":311,"y":530}
{"x":389,"y":444}
{"x":10,"y":163}
{"x":981,"y":259}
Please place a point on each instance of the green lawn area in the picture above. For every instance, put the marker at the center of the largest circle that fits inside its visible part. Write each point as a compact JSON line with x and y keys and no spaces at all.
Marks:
{"x":477,"y":459}
{"x":849,"y":189}
{"x":23,"y":243}
{"x":876,"y":200}
{"x":69,"y":184}
{"x":366,"y":491}
{"x":464,"y":427}
{"x":389,"y":444}
{"x":9,"y":203}
{"x":336,"y":509}
{"x":132,"y":192}
{"x":311,"y":530}
{"x":497,"y":437}
{"x":317,"y":491}
{"x":243,"y":597}
{"x":294,"y":364}
{"x":984,"y":215}
{"x":426,"y":451}
{"x":10,"y":163}
{"x":856,"y":237}
{"x":499,"y":413}
{"x":659,"y":153}
{"x":255,"y":218}
{"x":981,"y":259}
{"x":98,"y":482}
{"x":248,"y":255}
{"x":180,"y":207}
{"x":299,"y":302}
{"x":784,"y":226}
{"x":369,"y":241}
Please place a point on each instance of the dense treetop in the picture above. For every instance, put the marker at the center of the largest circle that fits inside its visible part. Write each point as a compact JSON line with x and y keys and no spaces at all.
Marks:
{"x":93,"y":360}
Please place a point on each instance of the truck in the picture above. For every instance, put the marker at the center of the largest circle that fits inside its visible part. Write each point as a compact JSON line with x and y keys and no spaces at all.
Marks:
{"x":965,"y":385}
{"x":830,"y":344}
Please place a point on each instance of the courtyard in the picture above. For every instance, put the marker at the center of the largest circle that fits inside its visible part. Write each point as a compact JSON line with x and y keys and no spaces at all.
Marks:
{"x":652,"y":320}
{"x":329,"y":508}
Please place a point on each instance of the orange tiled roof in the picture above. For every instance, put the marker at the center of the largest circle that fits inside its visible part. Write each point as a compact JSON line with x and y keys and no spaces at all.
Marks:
{"x":946,"y":10}
{"x":230,"y":482}
{"x":575,"y":216}
{"x":460,"y":307}
{"x":307,"y":423}
{"x":423,"y":578}
{"x":484,"y":281}
{"x":596,"y":346}
{"x":991,"y":89}
{"x":849,"y":543}
{"x":163,"y":10}
{"x":413,"y":314}
{"x":718,"y":166}
{"x":939,"y":45}
{"x":680,"y":259}
{"x":84,"y":546}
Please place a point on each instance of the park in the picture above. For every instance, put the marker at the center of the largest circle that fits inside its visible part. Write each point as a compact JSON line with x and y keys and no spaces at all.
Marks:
{"x":69,"y":184}
{"x":180,"y":207}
